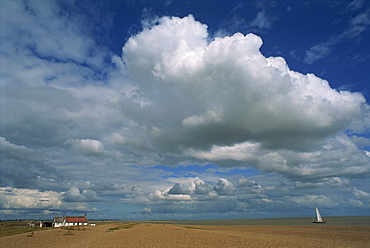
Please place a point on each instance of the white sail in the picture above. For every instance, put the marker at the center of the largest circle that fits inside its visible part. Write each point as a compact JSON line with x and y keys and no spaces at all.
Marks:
{"x":318,"y":215}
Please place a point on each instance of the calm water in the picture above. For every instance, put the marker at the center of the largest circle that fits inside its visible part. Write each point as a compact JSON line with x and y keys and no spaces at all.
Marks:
{"x":331,"y":220}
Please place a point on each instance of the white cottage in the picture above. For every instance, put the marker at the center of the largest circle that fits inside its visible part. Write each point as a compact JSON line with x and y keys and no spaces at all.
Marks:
{"x":75,"y":221}
{"x":70,"y":221}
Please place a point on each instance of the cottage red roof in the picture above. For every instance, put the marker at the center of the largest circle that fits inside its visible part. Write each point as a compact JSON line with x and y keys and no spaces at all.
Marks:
{"x":76,"y":219}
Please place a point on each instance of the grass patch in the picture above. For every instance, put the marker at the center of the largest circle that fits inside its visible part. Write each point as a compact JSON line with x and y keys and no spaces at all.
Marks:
{"x":198,"y":228}
{"x":8,"y":228}
{"x":68,"y":233}
{"x":122,"y":226}
{"x":74,"y":228}
{"x":155,"y":222}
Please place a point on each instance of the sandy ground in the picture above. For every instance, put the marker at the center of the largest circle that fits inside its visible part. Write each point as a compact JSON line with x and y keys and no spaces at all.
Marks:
{"x":168,"y":235}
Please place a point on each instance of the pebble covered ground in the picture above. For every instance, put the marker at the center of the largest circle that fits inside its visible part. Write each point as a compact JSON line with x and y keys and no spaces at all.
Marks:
{"x":170,"y":235}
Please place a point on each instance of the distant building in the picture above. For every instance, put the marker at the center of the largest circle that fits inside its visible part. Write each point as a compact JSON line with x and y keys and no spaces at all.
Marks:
{"x":47,"y":223}
{"x":75,"y":221}
{"x":70,"y":221}
{"x":44,"y":223}
{"x":58,"y":221}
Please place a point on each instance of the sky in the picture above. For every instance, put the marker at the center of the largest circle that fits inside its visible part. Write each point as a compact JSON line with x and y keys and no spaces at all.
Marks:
{"x":184,"y":109}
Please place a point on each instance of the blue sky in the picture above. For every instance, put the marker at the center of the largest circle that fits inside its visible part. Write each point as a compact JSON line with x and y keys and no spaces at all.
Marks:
{"x":184,"y":109}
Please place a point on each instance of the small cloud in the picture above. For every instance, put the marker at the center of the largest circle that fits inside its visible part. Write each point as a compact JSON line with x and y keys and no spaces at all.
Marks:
{"x":355,"y":5}
{"x":147,"y":210}
{"x":360,"y":193}
{"x":315,"y":200}
{"x":164,"y":196}
{"x":243,"y":182}
{"x":293,"y":54}
{"x":75,"y":195}
{"x":211,"y":116}
{"x":177,"y":189}
{"x":317,"y":52}
{"x":87,"y":146}
{"x":262,"y":21}
{"x":224,"y":187}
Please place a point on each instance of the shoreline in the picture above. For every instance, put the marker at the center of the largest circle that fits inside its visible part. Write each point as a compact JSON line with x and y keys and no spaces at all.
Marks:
{"x":331,"y":220}
{"x":182,"y":235}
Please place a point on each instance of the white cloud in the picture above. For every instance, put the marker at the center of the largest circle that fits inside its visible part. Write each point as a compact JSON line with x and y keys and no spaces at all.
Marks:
{"x":224,"y":187}
{"x":181,"y":38}
{"x":39,"y":29}
{"x":211,"y":116}
{"x":232,"y":93}
{"x":190,"y":190}
{"x":158,"y":195}
{"x":245,"y":151}
{"x":361,"y":194}
{"x":26,"y":198}
{"x":177,"y":189}
{"x":314,"y":200}
{"x":88,"y":146}
{"x":15,"y":203}
{"x":74,"y":195}
{"x":338,"y":157}
{"x":243,"y":182}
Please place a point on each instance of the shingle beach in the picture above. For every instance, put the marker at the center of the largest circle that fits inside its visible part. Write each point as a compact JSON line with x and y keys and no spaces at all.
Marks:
{"x":172,"y":235}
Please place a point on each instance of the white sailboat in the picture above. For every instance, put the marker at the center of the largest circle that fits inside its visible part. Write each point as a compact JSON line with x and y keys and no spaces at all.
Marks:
{"x":318,"y":218}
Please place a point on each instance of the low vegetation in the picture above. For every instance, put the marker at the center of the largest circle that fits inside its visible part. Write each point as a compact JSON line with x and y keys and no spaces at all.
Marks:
{"x":122,"y":226}
{"x":198,"y":228}
{"x":68,"y":233}
{"x":8,"y":228}
{"x":74,"y":228}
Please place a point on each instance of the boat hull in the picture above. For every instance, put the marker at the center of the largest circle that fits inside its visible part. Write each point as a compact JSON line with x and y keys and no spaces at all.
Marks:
{"x":319,"y":222}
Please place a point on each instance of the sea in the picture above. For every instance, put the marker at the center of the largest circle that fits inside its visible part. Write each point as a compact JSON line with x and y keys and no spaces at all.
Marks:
{"x":330,"y":220}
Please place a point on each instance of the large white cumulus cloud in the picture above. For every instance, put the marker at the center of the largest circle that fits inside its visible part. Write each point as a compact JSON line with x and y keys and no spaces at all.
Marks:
{"x":173,"y":40}
{"x":224,"y":92}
